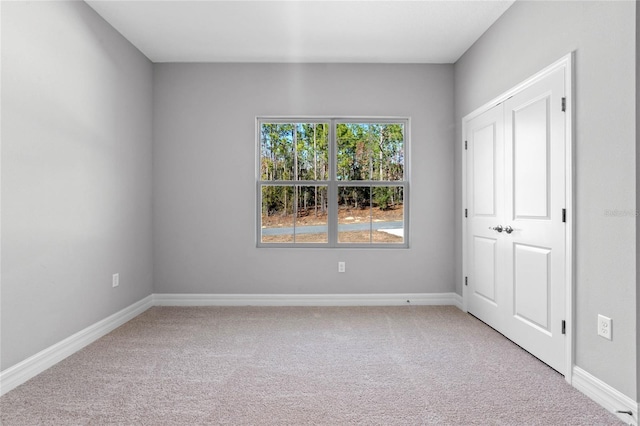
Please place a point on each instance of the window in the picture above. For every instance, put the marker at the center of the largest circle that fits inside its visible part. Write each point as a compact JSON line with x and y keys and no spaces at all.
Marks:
{"x":336,"y":182}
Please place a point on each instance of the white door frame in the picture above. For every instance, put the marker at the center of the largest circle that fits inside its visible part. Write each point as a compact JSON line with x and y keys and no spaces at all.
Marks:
{"x":565,"y":62}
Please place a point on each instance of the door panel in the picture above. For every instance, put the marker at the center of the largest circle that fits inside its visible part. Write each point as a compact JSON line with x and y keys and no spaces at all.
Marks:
{"x":531,"y":159}
{"x":485,"y":198}
{"x":534,"y":199}
{"x":484,"y":168}
{"x":485,"y":252}
{"x":531,"y":284}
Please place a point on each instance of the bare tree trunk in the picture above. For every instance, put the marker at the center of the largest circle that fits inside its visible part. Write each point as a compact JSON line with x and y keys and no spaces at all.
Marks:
{"x":381,"y":146}
{"x":295,"y":153}
{"x":274,"y":165}
{"x":322,"y":175}
{"x":284,"y":212}
{"x":371,"y":165}
{"x":315,"y":171}
{"x":296,"y":199}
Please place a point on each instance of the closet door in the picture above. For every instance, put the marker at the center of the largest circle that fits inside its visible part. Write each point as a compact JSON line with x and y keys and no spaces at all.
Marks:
{"x":534,"y":202}
{"x":485,"y":216}
{"x":515,"y":238}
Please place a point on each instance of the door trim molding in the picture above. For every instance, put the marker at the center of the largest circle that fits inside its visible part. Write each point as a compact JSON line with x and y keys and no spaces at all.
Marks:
{"x":566,"y":63}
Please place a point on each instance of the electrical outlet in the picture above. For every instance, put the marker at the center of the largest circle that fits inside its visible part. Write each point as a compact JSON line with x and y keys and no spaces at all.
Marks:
{"x":115,"y":280}
{"x":604,"y":327}
{"x":341,"y":266}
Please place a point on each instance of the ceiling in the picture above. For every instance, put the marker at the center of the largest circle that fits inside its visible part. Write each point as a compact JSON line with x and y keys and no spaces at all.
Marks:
{"x":392,"y":31}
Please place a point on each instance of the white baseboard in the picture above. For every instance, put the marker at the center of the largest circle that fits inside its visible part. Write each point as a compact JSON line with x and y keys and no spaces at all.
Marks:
{"x":600,"y":392}
{"x":16,"y":375}
{"x":395,"y":299}
{"x":610,"y":398}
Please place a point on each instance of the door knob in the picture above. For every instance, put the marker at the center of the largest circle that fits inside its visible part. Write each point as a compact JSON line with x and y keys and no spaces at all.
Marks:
{"x":497,"y":228}
{"x":508,"y":229}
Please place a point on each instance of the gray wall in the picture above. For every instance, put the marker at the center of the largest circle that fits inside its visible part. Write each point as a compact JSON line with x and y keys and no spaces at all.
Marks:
{"x":204,"y":177}
{"x":76,"y":173}
{"x":76,"y":170}
{"x":528,"y":37}
{"x":637,"y":199}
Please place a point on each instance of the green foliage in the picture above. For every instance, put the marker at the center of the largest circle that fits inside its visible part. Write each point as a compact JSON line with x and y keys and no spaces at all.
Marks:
{"x":294,"y":151}
{"x":300,"y":152}
{"x":277,"y":200}
{"x":382,"y":197}
{"x":369,"y":151}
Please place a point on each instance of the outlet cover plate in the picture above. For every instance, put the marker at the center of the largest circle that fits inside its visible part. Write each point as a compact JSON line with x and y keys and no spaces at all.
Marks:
{"x":604,"y":327}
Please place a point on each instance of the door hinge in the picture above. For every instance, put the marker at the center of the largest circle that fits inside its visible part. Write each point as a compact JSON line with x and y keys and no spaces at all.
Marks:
{"x":465,"y":212}
{"x":466,"y":280}
{"x":564,"y":327}
{"x":564,"y":104}
{"x":465,"y":144}
{"x":564,"y":215}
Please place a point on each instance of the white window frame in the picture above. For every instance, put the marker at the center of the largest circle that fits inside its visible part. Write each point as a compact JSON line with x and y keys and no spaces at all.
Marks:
{"x":332,"y":183}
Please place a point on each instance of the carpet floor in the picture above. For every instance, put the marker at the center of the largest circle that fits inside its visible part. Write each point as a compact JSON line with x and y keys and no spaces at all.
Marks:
{"x":413,"y":365}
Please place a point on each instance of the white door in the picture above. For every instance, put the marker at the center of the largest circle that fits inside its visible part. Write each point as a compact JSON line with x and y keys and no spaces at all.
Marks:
{"x":516,"y":230}
{"x":485,"y":211}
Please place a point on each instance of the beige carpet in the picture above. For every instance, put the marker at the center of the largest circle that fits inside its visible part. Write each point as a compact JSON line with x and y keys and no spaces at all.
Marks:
{"x":301,"y":366}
